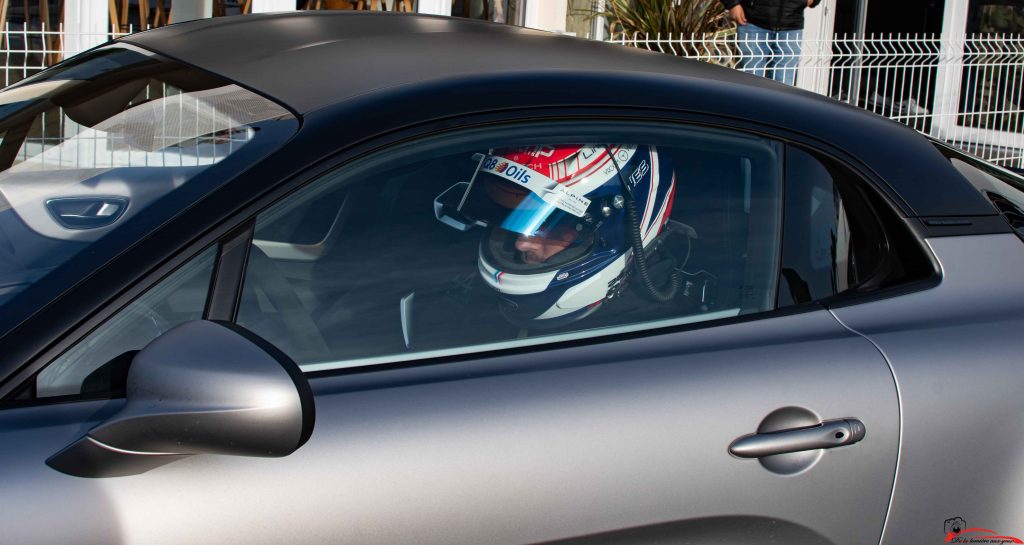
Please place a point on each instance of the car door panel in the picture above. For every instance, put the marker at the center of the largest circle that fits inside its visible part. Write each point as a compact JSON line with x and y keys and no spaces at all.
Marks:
{"x":627,"y":440}
{"x":74,"y":510}
{"x":955,"y":351}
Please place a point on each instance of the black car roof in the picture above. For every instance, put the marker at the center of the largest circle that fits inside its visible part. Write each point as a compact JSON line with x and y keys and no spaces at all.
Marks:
{"x":309,"y":60}
{"x":445,"y":66}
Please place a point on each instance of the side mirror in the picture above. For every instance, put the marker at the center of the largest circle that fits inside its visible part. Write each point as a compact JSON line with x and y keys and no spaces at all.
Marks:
{"x":447,"y":208}
{"x":201,"y":388}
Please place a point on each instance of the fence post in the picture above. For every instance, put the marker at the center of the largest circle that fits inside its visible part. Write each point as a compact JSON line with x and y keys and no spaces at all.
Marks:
{"x":817,"y":49}
{"x":599,"y":25}
{"x":950,"y":72}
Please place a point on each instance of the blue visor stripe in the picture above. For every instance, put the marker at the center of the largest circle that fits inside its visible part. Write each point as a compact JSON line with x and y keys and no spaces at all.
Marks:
{"x":529,"y":216}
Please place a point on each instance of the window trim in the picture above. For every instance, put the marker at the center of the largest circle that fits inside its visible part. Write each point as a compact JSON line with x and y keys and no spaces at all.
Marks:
{"x":26,"y":378}
{"x":225,"y":293}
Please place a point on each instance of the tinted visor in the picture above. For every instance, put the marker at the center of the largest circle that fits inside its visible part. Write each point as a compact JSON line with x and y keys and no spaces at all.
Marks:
{"x":535,"y":217}
{"x":537,"y":235}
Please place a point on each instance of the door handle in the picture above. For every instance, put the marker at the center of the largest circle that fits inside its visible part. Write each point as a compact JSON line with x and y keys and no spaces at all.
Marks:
{"x":828,"y":434}
{"x":86,"y":212}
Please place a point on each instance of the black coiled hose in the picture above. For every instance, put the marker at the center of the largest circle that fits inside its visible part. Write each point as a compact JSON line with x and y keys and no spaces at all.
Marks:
{"x":640,"y":258}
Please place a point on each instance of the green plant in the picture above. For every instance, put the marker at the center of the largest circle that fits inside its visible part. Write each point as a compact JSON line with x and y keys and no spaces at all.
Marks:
{"x":676,"y":18}
{"x":687,"y":28}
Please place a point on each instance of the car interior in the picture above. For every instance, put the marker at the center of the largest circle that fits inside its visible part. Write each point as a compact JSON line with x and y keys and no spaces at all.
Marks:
{"x":335,"y":272}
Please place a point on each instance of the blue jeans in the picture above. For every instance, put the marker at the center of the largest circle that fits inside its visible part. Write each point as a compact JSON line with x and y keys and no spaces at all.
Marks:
{"x":768,"y":53}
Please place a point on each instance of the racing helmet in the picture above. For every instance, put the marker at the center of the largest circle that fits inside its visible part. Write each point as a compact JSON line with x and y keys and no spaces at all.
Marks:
{"x":561,"y":246}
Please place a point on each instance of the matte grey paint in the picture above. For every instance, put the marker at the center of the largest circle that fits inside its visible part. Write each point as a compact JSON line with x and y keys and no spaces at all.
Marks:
{"x":288,"y":62}
{"x":609,"y":443}
{"x":957,"y":352}
{"x":617,"y":441}
{"x":200,"y":388}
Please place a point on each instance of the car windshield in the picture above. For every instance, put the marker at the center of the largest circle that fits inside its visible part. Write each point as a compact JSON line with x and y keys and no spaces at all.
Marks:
{"x":89,"y":145}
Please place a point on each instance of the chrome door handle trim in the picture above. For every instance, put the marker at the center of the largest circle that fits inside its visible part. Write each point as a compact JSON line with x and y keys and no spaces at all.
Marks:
{"x":828,"y":434}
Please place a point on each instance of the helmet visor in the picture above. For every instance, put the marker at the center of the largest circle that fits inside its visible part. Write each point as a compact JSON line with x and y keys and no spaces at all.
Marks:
{"x":539,"y":234}
{"x":535,"y":217}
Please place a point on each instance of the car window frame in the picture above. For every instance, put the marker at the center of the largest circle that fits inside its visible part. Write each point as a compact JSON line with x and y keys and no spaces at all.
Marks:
{"x":628,"y":331}
{"x":520,"y":129}
{"x":862,"y":291}
{"x":237,"y":228}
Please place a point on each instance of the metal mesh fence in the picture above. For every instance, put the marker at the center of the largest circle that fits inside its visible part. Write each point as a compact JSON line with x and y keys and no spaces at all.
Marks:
{"x":26,"y":49}
{"x":967,"y":92}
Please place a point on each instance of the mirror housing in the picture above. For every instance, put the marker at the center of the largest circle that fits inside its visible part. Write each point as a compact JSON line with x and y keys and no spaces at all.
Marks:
{"x":201,"y":388}
{"x":446,"y":208}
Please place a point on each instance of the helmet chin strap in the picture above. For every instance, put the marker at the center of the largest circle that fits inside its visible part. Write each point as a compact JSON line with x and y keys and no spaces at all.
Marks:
{"x":637,"y":244}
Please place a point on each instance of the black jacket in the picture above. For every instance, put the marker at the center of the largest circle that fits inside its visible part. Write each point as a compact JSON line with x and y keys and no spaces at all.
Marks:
{"x":773,"y":14}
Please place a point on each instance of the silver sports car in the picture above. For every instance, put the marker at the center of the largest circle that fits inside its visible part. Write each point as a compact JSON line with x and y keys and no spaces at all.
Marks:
{"x":347,"y":278}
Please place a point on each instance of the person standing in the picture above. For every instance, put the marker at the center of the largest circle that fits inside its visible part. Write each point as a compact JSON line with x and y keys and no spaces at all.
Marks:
{"x":769,"y":35}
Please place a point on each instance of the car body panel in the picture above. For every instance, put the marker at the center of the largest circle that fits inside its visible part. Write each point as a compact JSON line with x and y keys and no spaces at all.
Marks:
{"x":417,"y":65}
{"x":956,"y":352}
{"x":539,"y":446}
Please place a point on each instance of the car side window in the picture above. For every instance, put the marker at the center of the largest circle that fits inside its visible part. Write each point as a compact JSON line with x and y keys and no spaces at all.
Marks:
{"x":833,"y":239}
{"x":97,"y":363}
{"x":458,"y":245}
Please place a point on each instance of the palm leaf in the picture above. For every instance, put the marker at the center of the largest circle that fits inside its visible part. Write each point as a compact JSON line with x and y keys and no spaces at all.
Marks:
{"x":667,"y":19}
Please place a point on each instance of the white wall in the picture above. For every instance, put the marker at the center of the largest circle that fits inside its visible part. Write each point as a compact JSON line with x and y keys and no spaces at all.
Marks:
{"x":435,"y":7}
{"x":546,"y":14}
{"x":187,"y":10}
{"x":85,"y":22}
{"x":270,"y":6}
